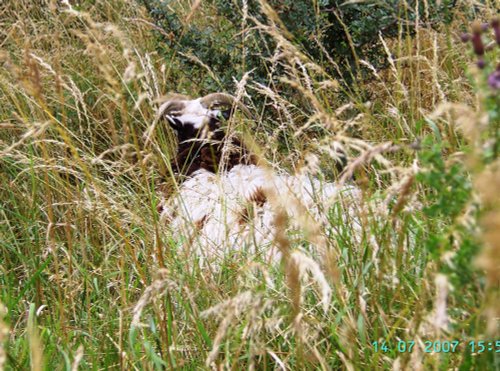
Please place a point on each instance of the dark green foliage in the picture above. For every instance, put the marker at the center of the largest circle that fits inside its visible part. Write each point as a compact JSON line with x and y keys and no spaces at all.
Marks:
{"x":367,"y":20}
{"x":346,"y":31}
{"x":447,"y":199}
{"x":449,"y":185}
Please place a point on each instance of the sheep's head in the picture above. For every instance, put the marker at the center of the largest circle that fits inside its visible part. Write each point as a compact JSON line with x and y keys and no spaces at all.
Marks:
{"x":198,"y":124}
{"x":198,"y":118}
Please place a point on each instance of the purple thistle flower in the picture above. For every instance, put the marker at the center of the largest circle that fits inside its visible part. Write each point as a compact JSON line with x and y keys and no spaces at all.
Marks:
{"x":465,"y":37}
{"x":494,"y":79}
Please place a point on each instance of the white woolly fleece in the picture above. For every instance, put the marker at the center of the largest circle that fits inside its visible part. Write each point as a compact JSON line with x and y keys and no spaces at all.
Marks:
{"x":234,"y":212}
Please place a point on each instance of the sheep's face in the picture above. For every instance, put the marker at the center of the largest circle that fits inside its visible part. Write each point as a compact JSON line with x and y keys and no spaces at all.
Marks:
{"x":202,"y":138}
{"x":193,"y":118}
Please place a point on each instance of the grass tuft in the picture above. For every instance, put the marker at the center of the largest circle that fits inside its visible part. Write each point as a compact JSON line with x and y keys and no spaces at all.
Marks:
{"x":91,"y":278}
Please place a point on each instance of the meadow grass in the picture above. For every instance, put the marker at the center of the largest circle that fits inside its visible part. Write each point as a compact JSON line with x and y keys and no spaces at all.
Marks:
{"x":90,"y":278}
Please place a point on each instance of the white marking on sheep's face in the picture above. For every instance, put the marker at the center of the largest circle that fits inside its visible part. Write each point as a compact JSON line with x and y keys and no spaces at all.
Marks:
{"x":190,"y":118}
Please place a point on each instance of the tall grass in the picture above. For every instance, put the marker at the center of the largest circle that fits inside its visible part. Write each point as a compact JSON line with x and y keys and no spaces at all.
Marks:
{"x":91,"y":279}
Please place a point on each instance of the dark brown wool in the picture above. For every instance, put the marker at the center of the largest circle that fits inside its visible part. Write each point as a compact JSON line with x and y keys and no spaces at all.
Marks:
{"x":193,"y":156}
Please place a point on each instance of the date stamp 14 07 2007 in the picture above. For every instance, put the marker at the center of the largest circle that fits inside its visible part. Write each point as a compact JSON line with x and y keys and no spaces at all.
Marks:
{"x":438,"y":346}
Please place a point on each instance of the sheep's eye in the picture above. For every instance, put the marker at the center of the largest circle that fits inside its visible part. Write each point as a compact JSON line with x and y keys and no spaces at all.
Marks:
{"x":221,"y":116}
{"x":225,"y":114}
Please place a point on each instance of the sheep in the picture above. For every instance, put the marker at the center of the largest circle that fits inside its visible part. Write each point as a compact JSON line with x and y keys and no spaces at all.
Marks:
{"x":227,"y":203}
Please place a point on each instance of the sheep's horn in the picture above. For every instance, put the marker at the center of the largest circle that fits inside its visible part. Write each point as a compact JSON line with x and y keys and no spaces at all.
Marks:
{"x":173,"y":102}
{"x":224,"y":99}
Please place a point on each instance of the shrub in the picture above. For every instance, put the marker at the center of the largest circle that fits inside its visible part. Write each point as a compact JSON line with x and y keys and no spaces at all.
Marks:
{"x":346,"y":31}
